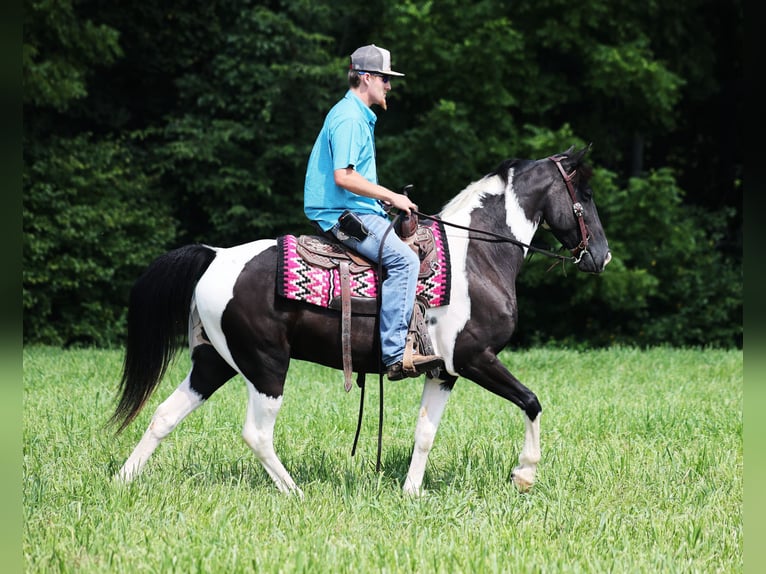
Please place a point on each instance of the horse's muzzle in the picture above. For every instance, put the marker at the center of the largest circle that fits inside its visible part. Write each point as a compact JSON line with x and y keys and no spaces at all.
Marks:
{"x":593,"y":263}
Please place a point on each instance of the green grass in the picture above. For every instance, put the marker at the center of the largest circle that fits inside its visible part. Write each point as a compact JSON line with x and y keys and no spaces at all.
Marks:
{"x":641,"y":472}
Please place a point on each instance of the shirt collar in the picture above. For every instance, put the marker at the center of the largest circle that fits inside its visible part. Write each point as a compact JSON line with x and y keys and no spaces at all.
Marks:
{"x":366,"y":110}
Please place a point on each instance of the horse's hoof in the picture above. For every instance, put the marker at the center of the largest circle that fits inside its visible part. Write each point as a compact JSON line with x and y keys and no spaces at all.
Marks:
{"x":411,"y":490}
{"x":293,"y":491}
{"x":123,"y":477}
{"x":415,"y":493}
{"x":523,"y":479}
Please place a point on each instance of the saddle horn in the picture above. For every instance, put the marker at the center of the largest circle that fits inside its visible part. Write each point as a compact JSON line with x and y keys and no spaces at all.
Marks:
{"x":406,"y":225}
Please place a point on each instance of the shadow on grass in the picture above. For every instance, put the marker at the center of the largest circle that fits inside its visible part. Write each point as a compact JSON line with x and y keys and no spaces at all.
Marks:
{"x":473,"y":466}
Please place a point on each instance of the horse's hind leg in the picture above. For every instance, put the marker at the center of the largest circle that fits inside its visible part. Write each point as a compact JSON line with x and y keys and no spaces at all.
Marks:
{"x":209,"y":371}
{"x":432,"y":404}
{"x":258,"y":433}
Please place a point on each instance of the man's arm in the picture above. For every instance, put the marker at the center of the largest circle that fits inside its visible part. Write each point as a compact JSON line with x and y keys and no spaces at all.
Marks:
{"x":349,"y":179}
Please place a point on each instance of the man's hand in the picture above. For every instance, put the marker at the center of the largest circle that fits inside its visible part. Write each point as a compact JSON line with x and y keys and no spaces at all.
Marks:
{"x":401,"y":202}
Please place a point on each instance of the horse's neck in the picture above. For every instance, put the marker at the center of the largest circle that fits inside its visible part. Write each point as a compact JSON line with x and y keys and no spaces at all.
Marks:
{"x":503,"y":258}
{"x":493,"y":204}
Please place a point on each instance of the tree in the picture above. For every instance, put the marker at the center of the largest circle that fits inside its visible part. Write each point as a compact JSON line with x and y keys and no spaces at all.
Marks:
{"x":89,"y":219}
{"x":232,"y":155}
{"x":200,"y":117}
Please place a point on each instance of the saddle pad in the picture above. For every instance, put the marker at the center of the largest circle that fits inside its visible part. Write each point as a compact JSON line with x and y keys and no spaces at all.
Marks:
{"x":300,"y":280}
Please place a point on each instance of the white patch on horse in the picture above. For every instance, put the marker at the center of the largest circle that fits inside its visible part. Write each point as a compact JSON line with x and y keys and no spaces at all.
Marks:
{"x":172,"y":411}
{"x":523,"y":229}
{"x":216,"y":288}
{"x":449,"y":320}
{"x":524,"y":474}
{"x":432,"y":405}
{"x":258,"y":433}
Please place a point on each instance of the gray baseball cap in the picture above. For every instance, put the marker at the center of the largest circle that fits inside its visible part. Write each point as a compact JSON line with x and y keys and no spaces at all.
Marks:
{"x":373,"y":59}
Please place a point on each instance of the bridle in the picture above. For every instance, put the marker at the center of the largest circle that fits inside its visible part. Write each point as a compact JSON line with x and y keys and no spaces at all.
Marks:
{"x":582,"y":248}
{"x":577,"y":252}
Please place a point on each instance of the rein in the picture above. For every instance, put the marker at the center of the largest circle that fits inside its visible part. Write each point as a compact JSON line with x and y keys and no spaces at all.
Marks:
{"x":499,"y":237}
{"x":577,"y":252}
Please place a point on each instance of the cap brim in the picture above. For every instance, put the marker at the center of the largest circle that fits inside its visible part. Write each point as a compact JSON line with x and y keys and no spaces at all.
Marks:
{"x":374,"y":71}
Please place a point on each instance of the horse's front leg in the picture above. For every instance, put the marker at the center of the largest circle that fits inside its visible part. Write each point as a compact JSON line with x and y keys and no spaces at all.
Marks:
{"x":434,"y":399}
{"x":523,"y":476}
{"x":486,"y":370}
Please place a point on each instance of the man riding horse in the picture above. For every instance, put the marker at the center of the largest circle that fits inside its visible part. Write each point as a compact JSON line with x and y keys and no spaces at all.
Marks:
{"x":343,"y":197}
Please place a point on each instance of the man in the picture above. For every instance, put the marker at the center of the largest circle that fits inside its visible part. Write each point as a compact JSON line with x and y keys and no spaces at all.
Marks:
{"x":343,"y":197}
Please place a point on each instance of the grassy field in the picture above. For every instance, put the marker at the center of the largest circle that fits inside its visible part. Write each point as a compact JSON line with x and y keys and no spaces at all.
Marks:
{"x":641,"y":472}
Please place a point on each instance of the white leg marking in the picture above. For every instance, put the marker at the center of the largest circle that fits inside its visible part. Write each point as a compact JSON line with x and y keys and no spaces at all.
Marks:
{"x":176,"y":407}
{"x":432,"y":405}
{"x":524,"y":474}
{"x":258,"y":432}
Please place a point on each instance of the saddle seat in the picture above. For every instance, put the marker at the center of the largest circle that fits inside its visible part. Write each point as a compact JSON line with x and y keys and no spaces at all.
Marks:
{"x":326,"y":252}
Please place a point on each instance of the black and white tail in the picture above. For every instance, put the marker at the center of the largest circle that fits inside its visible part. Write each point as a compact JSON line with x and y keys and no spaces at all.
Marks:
{"x":158,"y":320}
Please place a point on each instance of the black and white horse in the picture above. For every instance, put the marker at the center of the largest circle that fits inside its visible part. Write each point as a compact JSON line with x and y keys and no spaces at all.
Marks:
{"x":224,"y":300}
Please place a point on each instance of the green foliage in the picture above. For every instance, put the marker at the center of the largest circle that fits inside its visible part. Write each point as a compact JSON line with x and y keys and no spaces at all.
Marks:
{"x":234,"y":156}
{"x":668,"y":280}
{"x":91,"y":223}
{"x":645,"y":82}
{"x":698,"y":293}
{"x":221,"y":101}
{"x":59,"y":52}
{"x":463,"y":127}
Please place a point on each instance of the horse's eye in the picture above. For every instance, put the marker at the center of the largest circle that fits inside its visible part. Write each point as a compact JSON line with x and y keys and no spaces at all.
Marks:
{"x":587,"y":193}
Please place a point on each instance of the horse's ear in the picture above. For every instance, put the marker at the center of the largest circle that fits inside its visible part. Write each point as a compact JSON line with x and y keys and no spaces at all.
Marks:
{"x":577,"y":157}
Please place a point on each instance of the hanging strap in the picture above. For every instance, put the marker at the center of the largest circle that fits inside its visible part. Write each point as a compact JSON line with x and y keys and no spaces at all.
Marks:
{"x":345,"y":322}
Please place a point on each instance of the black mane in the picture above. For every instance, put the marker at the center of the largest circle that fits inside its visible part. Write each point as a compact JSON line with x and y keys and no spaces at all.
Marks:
{"x":584,"y":170}
{"x":517,"y":164}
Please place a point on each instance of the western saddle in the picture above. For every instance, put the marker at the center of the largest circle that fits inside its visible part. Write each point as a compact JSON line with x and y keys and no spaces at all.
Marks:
{"x":326,"y":252}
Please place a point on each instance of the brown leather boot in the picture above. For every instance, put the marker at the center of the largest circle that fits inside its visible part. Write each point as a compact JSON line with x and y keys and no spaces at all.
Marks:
{"x":420,"y":363}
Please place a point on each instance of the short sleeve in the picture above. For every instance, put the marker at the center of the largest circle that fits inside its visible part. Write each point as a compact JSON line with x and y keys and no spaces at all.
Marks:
{"x":348,"y":143}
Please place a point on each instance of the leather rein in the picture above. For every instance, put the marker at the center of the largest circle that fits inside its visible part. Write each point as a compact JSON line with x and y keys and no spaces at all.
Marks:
{"x":577,"y":208}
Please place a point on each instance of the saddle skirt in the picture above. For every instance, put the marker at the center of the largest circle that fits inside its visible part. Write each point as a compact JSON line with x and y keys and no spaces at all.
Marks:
{"x":309,"y":270}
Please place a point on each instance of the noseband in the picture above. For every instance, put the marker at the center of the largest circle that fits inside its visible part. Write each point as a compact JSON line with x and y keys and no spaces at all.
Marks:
{"x":582,"y":248}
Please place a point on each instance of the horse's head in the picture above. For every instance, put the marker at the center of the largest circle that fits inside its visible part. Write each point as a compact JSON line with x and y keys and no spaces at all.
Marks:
{"x":570,"y":211}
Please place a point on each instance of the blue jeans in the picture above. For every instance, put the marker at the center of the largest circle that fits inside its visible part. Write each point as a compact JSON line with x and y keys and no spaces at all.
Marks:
{"x":401,"y":280}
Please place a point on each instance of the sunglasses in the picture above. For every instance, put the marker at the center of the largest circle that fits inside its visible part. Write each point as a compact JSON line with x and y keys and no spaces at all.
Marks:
{"x":383,"y":77}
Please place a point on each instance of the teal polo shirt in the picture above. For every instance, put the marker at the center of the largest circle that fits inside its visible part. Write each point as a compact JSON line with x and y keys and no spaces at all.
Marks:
{"x":347,"y":139}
